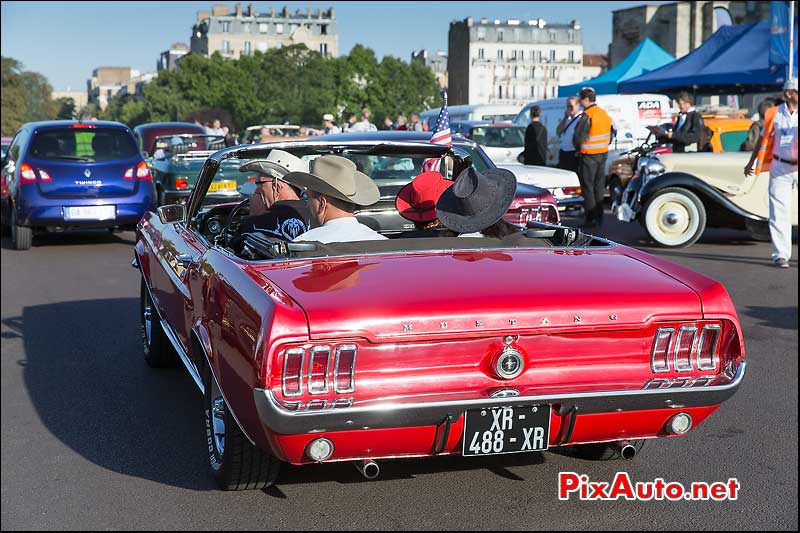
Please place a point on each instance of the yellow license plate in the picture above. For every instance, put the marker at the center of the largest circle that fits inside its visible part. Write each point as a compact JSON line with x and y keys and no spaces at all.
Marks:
{"x":222,"y":186}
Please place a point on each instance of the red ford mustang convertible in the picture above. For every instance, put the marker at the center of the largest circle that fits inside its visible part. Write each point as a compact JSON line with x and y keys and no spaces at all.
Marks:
{"x":409,"y":347}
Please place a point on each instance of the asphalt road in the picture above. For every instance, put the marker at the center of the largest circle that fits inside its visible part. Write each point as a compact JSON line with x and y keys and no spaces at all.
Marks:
{"x":94,"y":439}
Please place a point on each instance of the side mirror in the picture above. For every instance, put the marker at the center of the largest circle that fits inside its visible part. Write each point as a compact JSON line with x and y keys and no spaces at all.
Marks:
{"x":169,"y":214}
{"x":628,"y":135}
{"x":247,"y":189}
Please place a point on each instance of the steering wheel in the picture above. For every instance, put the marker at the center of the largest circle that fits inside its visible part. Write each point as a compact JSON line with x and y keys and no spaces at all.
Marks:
{"x":226,"y":230}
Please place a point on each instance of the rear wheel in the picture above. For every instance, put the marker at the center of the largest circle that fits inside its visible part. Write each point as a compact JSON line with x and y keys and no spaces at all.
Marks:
{"x":21,"y":236}
{"x":235,"y":462}
{"x":605,"y":451}
{"x":615,"y":189}
{"x":158,"y":352}
{"x":674,"y":217}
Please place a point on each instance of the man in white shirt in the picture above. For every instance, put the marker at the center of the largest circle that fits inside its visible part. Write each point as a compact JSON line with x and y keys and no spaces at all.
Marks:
{"x":335,"y":187}
{"x":783,"y":176}
{"x":364,"y":124}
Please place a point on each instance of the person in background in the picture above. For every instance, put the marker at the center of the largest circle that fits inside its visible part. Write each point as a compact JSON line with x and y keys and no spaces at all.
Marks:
{"x":350,"y":120}
{"x":216,"y":128}
{"x":686,"y":136}
{"x":777,"y":152}
{"x":754,"y":133}
{"x":364,"y":124}
{"x":265,"y":135}
{"x":328,"y":125}
{"x":401,"y":123}
{"x":591,"y":139}
{"x":413,"y":123}
{"x":387,"y":125}
{"x":565,"y":131}
{"x":535,"y":152}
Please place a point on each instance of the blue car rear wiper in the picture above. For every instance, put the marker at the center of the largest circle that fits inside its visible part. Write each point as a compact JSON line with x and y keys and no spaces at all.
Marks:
{"x":74,"y":157}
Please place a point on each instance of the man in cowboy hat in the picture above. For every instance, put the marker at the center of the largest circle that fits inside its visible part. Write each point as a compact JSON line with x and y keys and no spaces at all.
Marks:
{"x":417,"y":202}
{"x":335,"y":188}
{"x":286,"y":215}
{"x":474,"y":206}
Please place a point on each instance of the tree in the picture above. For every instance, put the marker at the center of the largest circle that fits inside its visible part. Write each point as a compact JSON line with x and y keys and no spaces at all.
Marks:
{"x":39,"y":103}
{"x":65,"y":108}
{"x":12,"y":96}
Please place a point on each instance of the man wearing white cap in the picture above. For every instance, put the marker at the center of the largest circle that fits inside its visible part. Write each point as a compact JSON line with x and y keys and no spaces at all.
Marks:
{"x":328,"y":126}
{"x":777,"y":152}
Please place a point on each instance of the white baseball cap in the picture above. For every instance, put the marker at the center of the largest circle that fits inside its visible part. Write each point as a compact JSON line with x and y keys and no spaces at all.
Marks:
{"x":327,"y":116}
{"x":790,"y":85}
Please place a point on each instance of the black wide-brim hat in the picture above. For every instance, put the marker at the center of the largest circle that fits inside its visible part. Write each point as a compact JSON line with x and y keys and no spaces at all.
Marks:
{"x":477,"y":199}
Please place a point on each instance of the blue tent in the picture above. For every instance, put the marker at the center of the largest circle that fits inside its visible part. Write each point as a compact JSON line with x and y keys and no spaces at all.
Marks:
{"x":644,"y":58}
{"x":733,"y":60}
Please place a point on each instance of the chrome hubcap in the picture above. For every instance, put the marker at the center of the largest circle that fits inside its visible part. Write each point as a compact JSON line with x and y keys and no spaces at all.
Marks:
{"x":218,"y":418}
{"x":671,"y":219}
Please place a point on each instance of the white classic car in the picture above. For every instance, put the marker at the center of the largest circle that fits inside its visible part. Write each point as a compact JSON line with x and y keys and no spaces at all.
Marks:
{"x":562,"y":184}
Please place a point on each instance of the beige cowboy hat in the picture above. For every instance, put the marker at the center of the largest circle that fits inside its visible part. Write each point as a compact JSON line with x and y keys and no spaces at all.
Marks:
{"x":276,"y":164}
{"x":337,"y":177}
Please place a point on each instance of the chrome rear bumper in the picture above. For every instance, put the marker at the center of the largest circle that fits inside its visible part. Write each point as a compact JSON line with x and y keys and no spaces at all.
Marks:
{"x":285,"y":422}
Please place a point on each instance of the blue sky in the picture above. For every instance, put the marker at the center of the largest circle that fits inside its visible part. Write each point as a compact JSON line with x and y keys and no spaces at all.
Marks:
{"x":66,"y":40}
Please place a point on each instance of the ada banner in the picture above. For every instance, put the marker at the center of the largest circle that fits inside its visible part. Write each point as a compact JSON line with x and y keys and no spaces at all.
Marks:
{"x":779,"y":35}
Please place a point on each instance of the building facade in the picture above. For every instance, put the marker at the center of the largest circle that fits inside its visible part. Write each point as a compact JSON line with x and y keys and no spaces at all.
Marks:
{"x":512,"y":61}
{"x":437,"y":62}
{"x":679,"y":27}
{"x":81,"y":98}
{"x":106,"y":82}
{"x":594,"y":65}
{"x":243,"y":32}
{"x":168,"y":60}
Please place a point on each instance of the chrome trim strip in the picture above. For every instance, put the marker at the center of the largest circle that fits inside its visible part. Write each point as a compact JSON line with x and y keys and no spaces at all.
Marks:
{"x":388,"y":415}
{"x":352,"y":387}
{"x":669,"y":349}
{"x":315,"y":350}
{"x":692,"y":349}
{"x":182,"y":354}
{"x":714,"y":355}
{"x":286,"y":354}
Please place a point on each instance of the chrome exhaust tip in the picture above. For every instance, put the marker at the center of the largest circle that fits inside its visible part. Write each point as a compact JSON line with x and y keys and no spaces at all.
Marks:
{"x":368,"y":468}
{"x":626,"y":450}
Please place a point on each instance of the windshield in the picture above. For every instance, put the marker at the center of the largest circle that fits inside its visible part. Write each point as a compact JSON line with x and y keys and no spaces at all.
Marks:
{"x":494,"y":137}
{"x":83,"y":144}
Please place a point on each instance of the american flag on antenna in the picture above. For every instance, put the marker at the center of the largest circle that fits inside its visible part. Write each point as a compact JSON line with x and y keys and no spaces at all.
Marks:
{"x":441,"y":135}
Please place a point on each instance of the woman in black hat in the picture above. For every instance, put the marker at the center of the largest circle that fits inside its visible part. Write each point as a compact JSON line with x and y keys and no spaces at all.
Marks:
{"x":474,"y":206}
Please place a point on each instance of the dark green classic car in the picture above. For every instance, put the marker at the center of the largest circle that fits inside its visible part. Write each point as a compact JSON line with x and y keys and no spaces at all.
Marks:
{"x":176,"y":163}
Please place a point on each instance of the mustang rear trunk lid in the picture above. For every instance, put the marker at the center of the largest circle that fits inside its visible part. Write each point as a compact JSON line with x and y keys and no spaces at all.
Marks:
{"x":476,"y":292}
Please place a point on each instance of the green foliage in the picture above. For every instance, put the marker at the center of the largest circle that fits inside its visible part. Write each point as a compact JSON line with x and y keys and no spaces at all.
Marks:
{"x":26,"y":96}
{"x":289,"y":83}
{"x":65,"y":108}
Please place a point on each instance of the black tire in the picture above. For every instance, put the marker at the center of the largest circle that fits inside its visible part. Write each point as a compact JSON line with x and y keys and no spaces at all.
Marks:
{"x":21,"y":236}
{"x":158,"y":351}
{"x":235,"y":463}
{"x":603,"y":451}
{"x":759,"y":231}
{"x":674,"y":217}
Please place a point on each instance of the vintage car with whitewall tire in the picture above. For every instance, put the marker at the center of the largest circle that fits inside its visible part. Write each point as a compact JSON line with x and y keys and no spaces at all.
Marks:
{"x":416,"y":346}
{"x":676,"y":197}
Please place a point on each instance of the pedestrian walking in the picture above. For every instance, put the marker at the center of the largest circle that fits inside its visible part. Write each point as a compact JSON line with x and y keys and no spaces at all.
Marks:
{"x":592,"y":137}
{"x":565,"y":131}
{"x":777,"y":152}
{"x":535,"y":152}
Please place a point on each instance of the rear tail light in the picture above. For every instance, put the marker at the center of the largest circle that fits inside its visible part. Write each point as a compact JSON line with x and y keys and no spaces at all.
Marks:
{"x":181,"y":183}
{"x":128,"y":174}
{"x":143,"y":172}
{"x":707,"y":347}
{"x":571,"y":190}
{"x":82,"y":126}
{"x":26,"y":174}
{"x":252,"y":179}
{"x":318,"y":369}
{"x":684,"y":348}
{"x":344,"y":369}
{"x":293,"y":372}
{"x":659,"y":358}
{"x":689,"y":347}
{"x":312,"y":365}
{"x":44,"y":176}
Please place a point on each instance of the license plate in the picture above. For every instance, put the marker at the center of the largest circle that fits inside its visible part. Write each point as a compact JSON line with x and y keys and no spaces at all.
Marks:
{"x":222,"y":186}
{"x":496,"y":430}
{"x":90,"y":212}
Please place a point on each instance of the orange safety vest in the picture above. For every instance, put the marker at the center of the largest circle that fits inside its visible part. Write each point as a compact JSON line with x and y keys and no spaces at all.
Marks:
{"x":764,"y":158}
{"x":599,"y":131}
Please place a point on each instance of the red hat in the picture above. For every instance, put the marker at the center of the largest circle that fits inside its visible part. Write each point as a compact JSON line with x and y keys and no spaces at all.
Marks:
{"x":417,"y":200}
